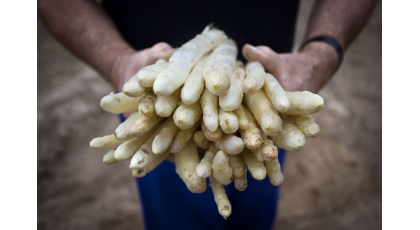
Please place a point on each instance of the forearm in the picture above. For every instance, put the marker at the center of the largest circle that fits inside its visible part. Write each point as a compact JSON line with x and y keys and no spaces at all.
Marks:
{"x":84,"y":28}
{"x":339,"y":19}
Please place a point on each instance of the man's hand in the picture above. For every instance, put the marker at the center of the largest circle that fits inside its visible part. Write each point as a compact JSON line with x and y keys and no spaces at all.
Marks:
{"x":307,"y":70}
{"x":127,"y":65}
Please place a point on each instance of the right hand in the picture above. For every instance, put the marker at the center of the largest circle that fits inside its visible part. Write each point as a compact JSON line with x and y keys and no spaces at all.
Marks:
{"x":307,"y":70}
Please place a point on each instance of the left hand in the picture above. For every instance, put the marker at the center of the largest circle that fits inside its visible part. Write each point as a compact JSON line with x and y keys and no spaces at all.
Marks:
{"x":308,"y":70}
{"x":126,"y":66}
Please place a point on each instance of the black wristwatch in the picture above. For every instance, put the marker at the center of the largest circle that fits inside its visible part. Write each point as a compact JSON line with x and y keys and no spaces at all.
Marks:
{"x":330,"y":41}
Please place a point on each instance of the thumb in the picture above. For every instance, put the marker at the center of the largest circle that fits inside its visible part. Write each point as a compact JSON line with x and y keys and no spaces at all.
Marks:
{"x":161,"y":50}
{"x":263,"y":54}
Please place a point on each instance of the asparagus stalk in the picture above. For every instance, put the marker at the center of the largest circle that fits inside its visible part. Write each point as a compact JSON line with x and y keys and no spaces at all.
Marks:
{"x":304,"y":103}
{"x":147,"y":76}
{"x":291,"y":138}
{"x":208,"y":103}
{"x":219,"y":67}
{"x":183,"y":59}
{"x":242,"y":120}
{"x":186,"y":162}
{"x":204,"y":168}
{"x":264,"y":112}
{"x":255,"y":76}
{"x":201,"y":140}
{"x":105,"y":141}
{"x":119,"y":103}
{"x":306,"y":123}
{"x":181,"y":139}
{"x":232,"y":99}
{"x":222,"y":172}
{"x":255,"y":167}
{"x":194,"y":85}
{"x":276,"y":93}
{"x":132,"y":88}
{"x":222,"y":201}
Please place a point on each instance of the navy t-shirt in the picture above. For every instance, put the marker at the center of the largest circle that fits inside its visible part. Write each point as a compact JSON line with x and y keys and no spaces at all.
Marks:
{"x":144,"y":23}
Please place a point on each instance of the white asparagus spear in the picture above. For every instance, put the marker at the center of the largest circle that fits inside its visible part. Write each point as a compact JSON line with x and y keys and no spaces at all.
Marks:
{"x":255,"y":76}
{"x":265,"y":113}
{"x":165,"y":106}
{"x":145,"y":154}
{"x":208,"y":103}
{"x":255,"y":167}
{"x":183,"y":59}
{"x":242,"y":120}
{"x":304,"y":103}
{"x":269,"y":152}
{"x":141,"y":172}
{"x":147,"y":75}
{"x":228,"y":121}
{"x":241,"y":182}
{"x":237,"y":164}
{"x":219,"y":67}
{"x":222,"y":201}
{"x":147,"y":104}
{"x":194,"y":85}
{"x":119,"y":103}
{"x":164,"y":139}
{"x":185,"y":116}
{"x":204,"y":168}
{"x":211,"y":136}
{"x":109,"y":157}
{"x":143,"y":124}
{"x":105,"y":141}
{"x":127,"y":149}
{"x":258,"y":154}
{"x":233,"y":98}
{"x":132,"y":88}
{"x":276,"y":93}
{"x":222,"y":172}
{"x":252,"y":137}
{"x":181,"y":139}
{"x":186,"y":162}
{"x":201,"y":140}
{"x":274,"y":172}
{"x":122,"y":131}
{"x":291,"y":138}
{"x":230,"y":144}
{"x":306,"y":123}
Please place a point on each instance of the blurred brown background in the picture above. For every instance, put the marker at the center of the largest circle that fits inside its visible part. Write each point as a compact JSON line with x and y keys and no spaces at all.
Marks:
{"x":334,"y":183}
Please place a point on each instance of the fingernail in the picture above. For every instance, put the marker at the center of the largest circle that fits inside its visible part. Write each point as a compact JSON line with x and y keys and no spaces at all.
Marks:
{"x":169,"y":51}
{"x":254,"y":48}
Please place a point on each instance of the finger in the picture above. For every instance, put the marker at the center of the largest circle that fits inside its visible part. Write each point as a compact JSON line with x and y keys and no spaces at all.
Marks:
{"x":171,"y":158}
{"x":263,"y":54}
{"x":161,"y":50}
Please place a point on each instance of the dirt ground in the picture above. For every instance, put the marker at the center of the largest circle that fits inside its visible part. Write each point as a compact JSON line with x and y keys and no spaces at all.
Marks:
{"x":334,"y":183}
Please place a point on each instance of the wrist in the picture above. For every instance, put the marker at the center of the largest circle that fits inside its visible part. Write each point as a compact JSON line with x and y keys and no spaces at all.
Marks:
{"x":323,"y":52}
{"x":324,"y":58}
{"x":118,"y":66}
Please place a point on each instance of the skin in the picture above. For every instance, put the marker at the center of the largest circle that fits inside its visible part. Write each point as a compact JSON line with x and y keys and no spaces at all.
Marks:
{"x":78,"y":24}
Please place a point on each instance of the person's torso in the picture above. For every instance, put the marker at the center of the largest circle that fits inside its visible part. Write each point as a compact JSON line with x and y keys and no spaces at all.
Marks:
{"x":144,"y":23}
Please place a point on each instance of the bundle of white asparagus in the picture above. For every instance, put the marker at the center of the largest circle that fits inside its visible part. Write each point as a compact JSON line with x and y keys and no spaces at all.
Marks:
{"x":204,"y":99}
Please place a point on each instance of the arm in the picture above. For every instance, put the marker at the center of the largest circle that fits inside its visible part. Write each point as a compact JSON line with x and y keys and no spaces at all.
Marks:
{"x":312,"y":67}
{"x":85,"y":29}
